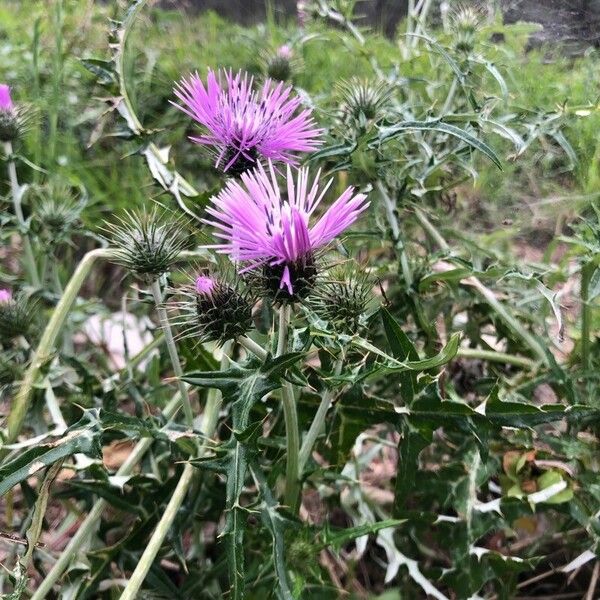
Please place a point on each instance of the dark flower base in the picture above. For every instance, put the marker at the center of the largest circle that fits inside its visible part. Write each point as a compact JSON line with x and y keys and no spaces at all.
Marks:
{"x":303,"y":274}
{"x":242,"y":163}
{"x":224,"y":315}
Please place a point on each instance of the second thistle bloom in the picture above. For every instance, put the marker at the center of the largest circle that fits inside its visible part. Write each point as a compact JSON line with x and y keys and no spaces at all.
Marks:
{"x":280,"y":235}
{"x":245,"y":124}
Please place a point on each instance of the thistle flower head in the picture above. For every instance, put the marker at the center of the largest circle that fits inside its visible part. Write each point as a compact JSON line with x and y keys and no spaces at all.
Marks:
{"x":57,"y":210}
{"x":11,"y":118}
{"x":147,"y":243}
{"x":343,"y":299}
{"x":262,"y":230}
{"x":245,"y":124}
{"x":280,"y":63}
{"x":213,"y":309}
{"x":6,"y":103}
{"x":466,"y":21}
{"x":364,"y":99}
{"x":204,"y":285}
{"x":15,"y":315}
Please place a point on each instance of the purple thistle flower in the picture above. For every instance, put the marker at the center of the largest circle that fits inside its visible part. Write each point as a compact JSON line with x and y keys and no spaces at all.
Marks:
{"x":245,"y":124}
{"x":261,"y":229}
{"x":5,"y":296}
{"x":204,"y":285}
{"x":6,"y":103}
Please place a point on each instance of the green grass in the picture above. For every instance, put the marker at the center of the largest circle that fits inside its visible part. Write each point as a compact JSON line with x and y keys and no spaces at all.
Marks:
{"x":170,"y":44}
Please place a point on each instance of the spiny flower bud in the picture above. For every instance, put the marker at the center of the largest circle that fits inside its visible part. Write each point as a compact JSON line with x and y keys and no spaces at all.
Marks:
{"x":13,"y":119}
{"x":147,"y":243}
{"x":56,"y":210}
{"x":212,"y":309}
{"x":343,"y":301}
{"x":15,"y":315}
{"x":364,"y":100}
{"x":281,"y":63}
{"x":465,"y":23}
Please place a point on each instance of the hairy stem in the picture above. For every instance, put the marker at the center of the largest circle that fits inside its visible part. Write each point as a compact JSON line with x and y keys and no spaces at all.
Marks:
{"x":173,"y":354}
{"x":396,"y":234}
{"x":290,"y":415}
{"x":318,"y":423}
{"x":15,"y":192}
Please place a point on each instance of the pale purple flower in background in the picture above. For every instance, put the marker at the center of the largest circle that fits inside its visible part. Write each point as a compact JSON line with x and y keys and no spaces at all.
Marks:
{"x":259,"y":228}
{"x":204,"y":285}
{"x":5,"y":296}
{"x":245,"y":124}
{"x":6,"y":103}
{"x":285,"y":52}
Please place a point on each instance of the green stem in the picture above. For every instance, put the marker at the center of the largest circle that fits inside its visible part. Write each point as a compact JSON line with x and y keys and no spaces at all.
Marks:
{"x":396,"y":234}
{"x":173,"y":354}
{"x":500,"y":357}
{"x":45,"y":347}
{"x":250,"y":345}
{"x":318,"y":423}
{"x":430,"y":229}
{"x":160,"y":533}
{"x":15,"y":191}
{"x":587,"y":272}
{"x":209,"y":422}
{"x":290,"y":415}
{"x":486,"y":293}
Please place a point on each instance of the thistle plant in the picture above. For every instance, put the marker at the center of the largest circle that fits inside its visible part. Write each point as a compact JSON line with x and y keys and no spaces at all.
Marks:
{"x":358,"y":388}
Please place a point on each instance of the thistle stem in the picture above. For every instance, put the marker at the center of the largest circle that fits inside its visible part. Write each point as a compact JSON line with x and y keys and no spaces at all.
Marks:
{"x":318,"y":423}
{"x":250,"y":345}
{"x":587,"y":271}
{"x":486,"y":293}
{"x":173,"y":354}
{"x":290,"y":415}
{"x":209,"y":422}
{"x":15,"y":192}
{"x":147,"y":558}
{"x":396,"y":234}
{"x":499,"y":357}
{"x":45,"y":347}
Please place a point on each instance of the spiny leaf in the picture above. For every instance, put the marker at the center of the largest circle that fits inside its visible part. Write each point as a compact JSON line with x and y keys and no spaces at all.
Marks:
{"x":82,"y":437}
{"x":276,"y":523}
{"x":337,"y":539}
{"x":402,"y":349}
{"x":394,"y":131}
